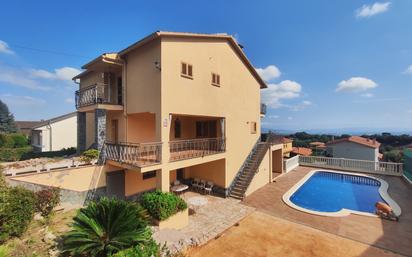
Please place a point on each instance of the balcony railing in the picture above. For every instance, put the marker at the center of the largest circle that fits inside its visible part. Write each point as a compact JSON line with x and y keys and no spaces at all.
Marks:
{"x":135,"y":154}
{"x":386,"y":168}
{"x":94,"y":94}
{"x":186,"y":149}
{"x":263,"y":109}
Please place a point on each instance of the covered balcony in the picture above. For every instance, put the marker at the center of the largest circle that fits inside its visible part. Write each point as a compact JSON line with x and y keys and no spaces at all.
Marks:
{"x":99,"y":95}
{"x":196,"y":136}
{"x":263,"y":108}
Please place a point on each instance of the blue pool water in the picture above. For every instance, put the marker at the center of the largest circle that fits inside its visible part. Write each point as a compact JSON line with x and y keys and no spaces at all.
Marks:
{"x":331,"y":192}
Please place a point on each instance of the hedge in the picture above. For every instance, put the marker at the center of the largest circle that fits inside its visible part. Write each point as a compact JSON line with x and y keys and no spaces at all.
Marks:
{"x":14,"y":154}
{"x":161,"y":205}
{"x":50,"y":154}
{"x":13,"y":140}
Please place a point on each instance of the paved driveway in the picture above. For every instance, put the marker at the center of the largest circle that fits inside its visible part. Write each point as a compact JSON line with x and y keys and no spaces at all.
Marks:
{"x":393,"y":236}
{"x":264,"y":235}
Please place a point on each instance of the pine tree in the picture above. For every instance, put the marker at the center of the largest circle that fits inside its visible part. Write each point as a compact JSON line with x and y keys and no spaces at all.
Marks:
{"x":7,"y":124}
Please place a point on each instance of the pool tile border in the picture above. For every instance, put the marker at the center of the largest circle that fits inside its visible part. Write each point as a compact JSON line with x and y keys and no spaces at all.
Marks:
{"x":383,"y":191}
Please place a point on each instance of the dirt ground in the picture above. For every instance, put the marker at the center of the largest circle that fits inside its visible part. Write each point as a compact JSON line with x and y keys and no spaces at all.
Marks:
{"x":263,"y":235}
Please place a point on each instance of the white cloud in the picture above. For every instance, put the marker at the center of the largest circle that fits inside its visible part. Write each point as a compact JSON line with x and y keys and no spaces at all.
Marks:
{"x":65,"y":73}
{"x":273,"y":116}
{"x":298,"y":107}
{"x":14,"y":101}
{"x":356,"y":84}
{"x":269,"y":73}
{"x":19,"y":78}
{"x":4,"y":48}
{"x":371,"y":10}
{"x":69,"y":100}
{"x":367,"y":95}
{"x":408,"y":70}
{"x":286,"y":89}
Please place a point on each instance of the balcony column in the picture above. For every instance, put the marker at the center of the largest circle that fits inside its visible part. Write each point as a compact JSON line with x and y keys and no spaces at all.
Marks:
{"x":100,"y":131}
{"x":163,"y":180}
{"x":81,"y":132}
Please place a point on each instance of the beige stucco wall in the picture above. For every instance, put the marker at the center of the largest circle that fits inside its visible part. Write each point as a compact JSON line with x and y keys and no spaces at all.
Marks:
{"x":63,"y":134}
{"x":77,"y":179}
{"x":141,"y":128}
{"x":262,"y":176}
{"x":90,"y":79}
{"x":134,"y":183}
{"x":237,"y":99}
{"x":210,"y":171}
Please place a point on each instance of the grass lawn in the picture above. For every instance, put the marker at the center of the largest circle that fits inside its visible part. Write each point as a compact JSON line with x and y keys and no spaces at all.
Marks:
{"x":32,"y":243}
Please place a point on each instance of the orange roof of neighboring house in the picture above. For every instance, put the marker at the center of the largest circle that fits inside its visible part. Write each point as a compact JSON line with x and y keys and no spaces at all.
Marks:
{"x":358,"y":140}
{"x":277,"y":139}
{"x":232,"y":41}
{"x":302,"y":151}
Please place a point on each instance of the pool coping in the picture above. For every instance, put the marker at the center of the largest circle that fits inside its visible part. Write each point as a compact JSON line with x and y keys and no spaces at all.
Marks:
{"x":383,"y":191}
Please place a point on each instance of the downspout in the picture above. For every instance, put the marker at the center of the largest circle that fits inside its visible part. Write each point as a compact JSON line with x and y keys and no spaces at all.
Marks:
{"x":50,"y":135}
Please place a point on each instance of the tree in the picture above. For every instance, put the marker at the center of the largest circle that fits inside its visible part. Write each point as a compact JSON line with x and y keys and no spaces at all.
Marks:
{"x":7,"y":124}
{"x":106,"y":227}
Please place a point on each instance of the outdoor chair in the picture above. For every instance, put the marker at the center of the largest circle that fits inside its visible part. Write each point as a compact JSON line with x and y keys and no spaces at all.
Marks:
{"x":202,"y":185}
{"x":208,"y":187}
{"x":195,"y":184}
{"x":176,"y":182}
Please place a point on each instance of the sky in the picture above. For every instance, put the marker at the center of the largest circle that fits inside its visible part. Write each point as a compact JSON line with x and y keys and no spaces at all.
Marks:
{"x":328,"y":64}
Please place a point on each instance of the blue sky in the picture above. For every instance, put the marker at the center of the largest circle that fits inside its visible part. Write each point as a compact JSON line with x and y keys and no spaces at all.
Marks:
{"x":329,"y":64}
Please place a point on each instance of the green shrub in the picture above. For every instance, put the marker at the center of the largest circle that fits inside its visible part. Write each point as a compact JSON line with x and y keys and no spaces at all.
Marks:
{"x":162,"y":205}
{"x":6,"y":141}
{"x":47,"y":200}
{"x":106,"y":227}
{"x":13,"y":154}
{"x":19,"y":140}
{"x":89,"y":155}
{"x":151,"y":248}
{"x":49,"y":154}
{"x":19,"y":204}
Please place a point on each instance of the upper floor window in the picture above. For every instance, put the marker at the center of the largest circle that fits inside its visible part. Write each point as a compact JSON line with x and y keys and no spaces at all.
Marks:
{"x":215,"y":79}
{"x":187,"y":70}
{"x":253,"y":127}
{"x":178,"y":129}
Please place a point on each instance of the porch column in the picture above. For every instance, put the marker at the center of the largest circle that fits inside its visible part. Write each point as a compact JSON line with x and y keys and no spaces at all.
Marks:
{"x":100,"y":131}
{"x":163,"y":180}
{"x":81,"y":132}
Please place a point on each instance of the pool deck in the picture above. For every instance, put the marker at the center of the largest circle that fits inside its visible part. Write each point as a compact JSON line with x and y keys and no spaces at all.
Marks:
{"x":388,"y":235}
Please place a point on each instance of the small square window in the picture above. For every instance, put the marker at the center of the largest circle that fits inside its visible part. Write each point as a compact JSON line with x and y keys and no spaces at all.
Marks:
{"x":187,"y":70}
{"x":149,"y":174}
{"x":253,"y":127}
{"x":215,"y":79}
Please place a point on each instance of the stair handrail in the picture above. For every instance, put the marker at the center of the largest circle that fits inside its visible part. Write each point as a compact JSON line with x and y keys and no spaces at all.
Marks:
{"x":267,"y":143}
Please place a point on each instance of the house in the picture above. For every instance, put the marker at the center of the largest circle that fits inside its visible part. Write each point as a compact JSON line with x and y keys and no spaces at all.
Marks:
{"x":286,"y":144}
{"x":25,"y":127}
{"x":317,"y":145}
{"x":55,"y":134}
{"x":354,"y":147}
{"x":176,"y":106}
{"x":304,"y":151}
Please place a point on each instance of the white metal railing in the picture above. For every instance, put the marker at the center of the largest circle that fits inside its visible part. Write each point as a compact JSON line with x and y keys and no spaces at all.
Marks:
{"x":136,"y":154}
{"x":291,"y":163}
{"x":385,"y":168}
{"x":192,"y":148}
{"x":46,"y":167}
{"x":94,"y":94}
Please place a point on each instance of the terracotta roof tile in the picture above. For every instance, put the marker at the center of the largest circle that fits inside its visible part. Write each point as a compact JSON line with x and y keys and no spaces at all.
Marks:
{"x":358,"y":140}
{"x":302,"y":151}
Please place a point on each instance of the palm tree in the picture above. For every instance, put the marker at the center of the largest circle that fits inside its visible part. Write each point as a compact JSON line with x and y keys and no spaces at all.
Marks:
{"x":106,"y":227}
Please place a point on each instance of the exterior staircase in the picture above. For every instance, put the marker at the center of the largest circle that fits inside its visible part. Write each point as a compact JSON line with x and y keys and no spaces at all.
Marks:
{"x":245,"y":176}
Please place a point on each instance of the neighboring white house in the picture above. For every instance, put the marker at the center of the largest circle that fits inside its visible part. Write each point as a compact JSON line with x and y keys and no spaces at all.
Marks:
{"x":55,"y":134}
{"x":354,"y":147}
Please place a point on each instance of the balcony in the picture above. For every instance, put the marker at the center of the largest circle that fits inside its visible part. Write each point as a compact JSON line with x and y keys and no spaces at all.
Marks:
{"x":134,"y":154}
{"x":97,"y":94}
{"x":193,"y":148}
{"x":263,"y":109}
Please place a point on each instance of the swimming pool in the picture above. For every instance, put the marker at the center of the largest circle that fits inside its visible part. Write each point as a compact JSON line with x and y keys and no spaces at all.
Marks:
{"x":335,"y":193}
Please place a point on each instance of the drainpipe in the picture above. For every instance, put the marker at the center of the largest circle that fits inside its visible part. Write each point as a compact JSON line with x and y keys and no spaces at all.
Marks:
{"x":48,"y":126}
